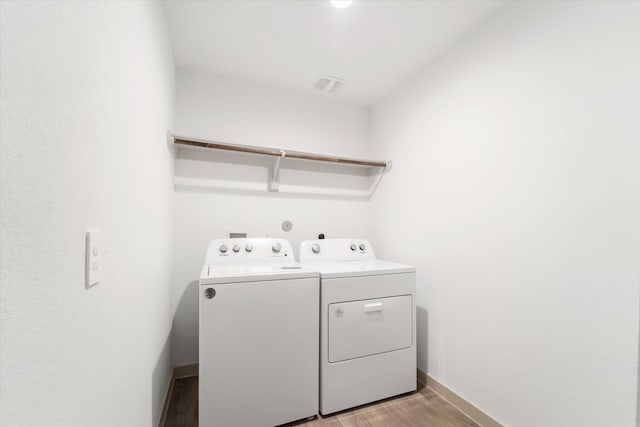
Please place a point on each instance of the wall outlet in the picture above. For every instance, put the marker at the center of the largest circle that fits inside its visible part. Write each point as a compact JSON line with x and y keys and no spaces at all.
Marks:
{"x":93,"y":258}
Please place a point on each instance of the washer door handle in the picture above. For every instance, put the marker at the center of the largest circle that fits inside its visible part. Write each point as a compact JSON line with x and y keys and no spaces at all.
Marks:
{"x":376,"y":306}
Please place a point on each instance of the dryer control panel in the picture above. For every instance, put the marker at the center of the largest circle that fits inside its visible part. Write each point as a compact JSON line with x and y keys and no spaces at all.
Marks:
{"x":336,"y":250}
{"x":245,"y":250}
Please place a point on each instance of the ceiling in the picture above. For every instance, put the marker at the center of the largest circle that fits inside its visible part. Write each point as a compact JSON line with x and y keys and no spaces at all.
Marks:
{"x":375,"y":45}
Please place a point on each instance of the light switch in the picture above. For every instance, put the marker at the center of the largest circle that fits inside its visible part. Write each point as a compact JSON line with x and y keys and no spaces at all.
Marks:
{"x":93,"y":257}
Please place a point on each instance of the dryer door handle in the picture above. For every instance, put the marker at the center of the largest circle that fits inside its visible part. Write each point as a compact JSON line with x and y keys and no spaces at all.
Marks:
{"x":376,"y":306}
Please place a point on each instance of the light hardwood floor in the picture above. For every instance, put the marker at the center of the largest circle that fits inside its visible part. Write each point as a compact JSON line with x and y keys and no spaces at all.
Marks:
{"x":421,"y":408}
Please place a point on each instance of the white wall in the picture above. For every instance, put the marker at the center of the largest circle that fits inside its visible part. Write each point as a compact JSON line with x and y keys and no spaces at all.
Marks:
{"x":516,"y":171}
{"x":235,"y":111}
{"x":87,"y":97}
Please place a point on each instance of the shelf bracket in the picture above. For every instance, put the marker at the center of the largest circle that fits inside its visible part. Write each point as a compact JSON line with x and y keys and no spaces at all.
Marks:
{"x":379,"y":176}
{"x":274,"y":182}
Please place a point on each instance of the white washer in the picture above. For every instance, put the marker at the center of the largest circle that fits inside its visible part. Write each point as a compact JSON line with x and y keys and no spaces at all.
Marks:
{"x":367,"y":323}
{"x":258,"y":357}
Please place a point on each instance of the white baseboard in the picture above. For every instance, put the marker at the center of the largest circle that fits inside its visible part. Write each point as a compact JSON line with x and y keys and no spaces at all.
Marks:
{"x":185,"y":371}
{"x":460,"y":403}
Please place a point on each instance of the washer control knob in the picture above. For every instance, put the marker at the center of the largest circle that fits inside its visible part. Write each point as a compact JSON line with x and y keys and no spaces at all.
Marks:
{"x":223,"y":249}
{"x":315,"y":248}
{"x":236,"y":248}
{"x":249,"y":247}
{"x":362,"y":247}
{"x":276,"y":247}
{"x":353,"y":247}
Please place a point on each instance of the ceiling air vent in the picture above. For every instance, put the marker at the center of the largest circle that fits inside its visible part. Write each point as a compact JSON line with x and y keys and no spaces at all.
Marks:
{"x":329,"y":84}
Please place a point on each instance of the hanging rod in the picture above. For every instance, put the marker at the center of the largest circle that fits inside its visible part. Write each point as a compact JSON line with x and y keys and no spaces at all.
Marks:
{"x":277,"y":152}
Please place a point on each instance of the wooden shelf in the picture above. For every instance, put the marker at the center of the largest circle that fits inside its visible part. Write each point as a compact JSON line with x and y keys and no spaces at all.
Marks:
{"x":277,"y":152}
{"x":277,"y":155}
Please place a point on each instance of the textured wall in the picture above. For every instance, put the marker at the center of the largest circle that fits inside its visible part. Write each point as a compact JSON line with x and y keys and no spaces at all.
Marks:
{"x":238,"y":112}
{"x":521,"y":149}
{"x":87,"y":97}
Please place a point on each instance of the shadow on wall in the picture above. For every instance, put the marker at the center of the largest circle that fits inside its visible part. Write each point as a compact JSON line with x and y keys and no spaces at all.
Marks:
{"x":160,"y":380}
{"x":237,"y":173}
{"x":185,"y":324}
{"x":422,"y":330}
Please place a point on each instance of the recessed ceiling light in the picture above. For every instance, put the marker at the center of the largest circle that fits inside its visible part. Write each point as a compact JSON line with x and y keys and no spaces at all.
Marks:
{"x":341,"y":4}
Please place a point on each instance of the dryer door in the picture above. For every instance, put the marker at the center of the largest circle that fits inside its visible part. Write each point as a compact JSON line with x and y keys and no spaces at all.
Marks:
{"x":367,"y":327}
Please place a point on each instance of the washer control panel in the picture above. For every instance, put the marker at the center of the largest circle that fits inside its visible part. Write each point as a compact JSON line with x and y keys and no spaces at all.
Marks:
{"x":336,"y":250}
{"x":229,"y":251}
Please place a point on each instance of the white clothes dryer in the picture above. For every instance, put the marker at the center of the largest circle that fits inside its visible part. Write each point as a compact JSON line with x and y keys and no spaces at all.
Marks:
{"x":258,"y":314}
{"x":367,"y":323}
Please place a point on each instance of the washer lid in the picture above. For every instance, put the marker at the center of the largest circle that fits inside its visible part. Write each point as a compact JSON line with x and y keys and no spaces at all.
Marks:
{"x":336,"y":269}
{"x":238,"y":273}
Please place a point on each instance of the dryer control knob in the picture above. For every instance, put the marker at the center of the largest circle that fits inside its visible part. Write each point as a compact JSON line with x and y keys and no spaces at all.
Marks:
{"x":362,"y":247}
{"x":223,"y":248}
{"x":236,"y":248}
{"x":276,"y":247}
{"x":249,"y":247}
{"x":315,"y":248}
{"x":353,"y":247}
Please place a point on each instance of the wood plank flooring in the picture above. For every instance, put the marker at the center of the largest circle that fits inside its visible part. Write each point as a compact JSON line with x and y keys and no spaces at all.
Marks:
{"x":183,"y":405}
{"x":422,"y":408}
